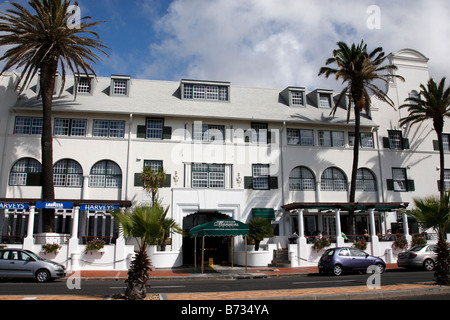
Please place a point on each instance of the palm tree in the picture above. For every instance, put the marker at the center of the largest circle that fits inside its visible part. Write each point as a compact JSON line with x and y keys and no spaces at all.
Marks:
{"x":359,"y":69}
{"x":433,"y":103}
{"x":433,"y":212}
{"x":142,"y":224}
{"x":40,"y":42}
{"x":153,"y":180}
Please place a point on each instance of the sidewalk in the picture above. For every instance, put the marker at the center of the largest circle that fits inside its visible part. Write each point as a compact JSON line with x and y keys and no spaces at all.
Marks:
{"x":219,"y":272}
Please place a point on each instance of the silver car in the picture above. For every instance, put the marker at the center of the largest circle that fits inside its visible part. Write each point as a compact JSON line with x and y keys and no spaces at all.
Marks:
{"x":17,"y":263}
{"x":423,"y":256}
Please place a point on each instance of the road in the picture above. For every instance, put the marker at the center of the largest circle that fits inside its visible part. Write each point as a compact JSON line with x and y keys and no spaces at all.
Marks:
{"x":111,"y":287}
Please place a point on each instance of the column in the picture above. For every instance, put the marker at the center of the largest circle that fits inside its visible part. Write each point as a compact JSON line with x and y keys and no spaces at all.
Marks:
{"x":29,"y":240}
{"x":408,"y":237}
{"x":120,"y":262}
{"x":339,"y":238}
{"x":374,"y":241}
{"x":301,"y":241}
{"x":73,"y":251}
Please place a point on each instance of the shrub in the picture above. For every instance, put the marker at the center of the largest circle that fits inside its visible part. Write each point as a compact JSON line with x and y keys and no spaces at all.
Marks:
{"x":321,"y":244}
{"x":51,"y":247}
{"x":400,"y":243}
{"x":95,"y":245}
{"x":360,"y":244}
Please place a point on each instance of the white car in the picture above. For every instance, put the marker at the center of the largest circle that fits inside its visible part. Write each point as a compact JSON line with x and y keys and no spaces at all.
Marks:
{"x":17,"y":263}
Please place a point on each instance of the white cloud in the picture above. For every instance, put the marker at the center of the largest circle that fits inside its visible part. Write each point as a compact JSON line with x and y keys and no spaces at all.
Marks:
{"x":277,"y":43}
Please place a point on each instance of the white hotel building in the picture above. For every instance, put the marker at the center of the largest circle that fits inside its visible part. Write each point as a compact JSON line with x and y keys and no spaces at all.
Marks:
{"x":229,"y":151}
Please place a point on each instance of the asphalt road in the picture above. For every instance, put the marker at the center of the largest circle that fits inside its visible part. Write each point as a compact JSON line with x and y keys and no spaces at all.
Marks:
{"x":111,"y":287}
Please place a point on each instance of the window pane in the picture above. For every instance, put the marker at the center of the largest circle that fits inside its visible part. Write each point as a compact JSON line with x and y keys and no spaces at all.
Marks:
{"x":83,"y":85}
{"x":307,"y":137}
{"x":100,"y":128}
{"x":120,"y":87}
{"x":325,"y":138}
{"x":78,"y":128}
{"x":325,"y":101}
{"x":155,"y":128}
{"x":395,"y":140}
{"x":293,"y":136}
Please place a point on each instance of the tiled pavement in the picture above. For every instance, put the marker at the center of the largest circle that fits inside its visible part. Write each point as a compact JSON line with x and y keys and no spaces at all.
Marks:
{"x":353,"y":293}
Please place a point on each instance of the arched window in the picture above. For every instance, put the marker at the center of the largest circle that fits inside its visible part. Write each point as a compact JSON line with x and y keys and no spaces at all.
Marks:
{"x":333,"y":179}
{"x":105,"y":174}
{"x":365,"y":180}
{"x":67,"y":173}
{"x":25,"y":172}
{"x":302,"y":179}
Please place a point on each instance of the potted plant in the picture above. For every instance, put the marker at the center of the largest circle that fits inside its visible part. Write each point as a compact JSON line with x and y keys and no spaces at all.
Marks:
{"x":360,"y":244}
{"x":94,"y":245}
{"x":259,"y":229}
{"x":51,"y":248}
{"x":321,"y":244}
{"x":2,"y":246}
{"x":400,"y":243}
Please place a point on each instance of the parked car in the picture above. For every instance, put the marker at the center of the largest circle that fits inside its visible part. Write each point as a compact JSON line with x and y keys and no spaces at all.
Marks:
{"x":423,"y":256}
{"x":338,"y":260}
{"x":17,"y":263}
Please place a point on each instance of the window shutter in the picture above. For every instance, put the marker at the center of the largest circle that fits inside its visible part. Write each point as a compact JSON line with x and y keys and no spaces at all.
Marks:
{"x":411,"y":185}
{"x":386,"y":143}
{"x":273,"y":183}
{"x":390,"y":184}
{"x":405,"y":143}
{"x":435,"y":145}
{"x":269,"y":137}
{"x":167,"y":133}
{"x":168,"y":182}
{"x":141,"y":132}
{"x":138,"y":182}
{"x":248,"y":182}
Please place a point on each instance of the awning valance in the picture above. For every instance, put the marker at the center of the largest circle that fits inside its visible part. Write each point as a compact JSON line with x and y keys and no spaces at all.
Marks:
{"x":347,"y":206}
{"x":268,"y":214}
{"x":220,"y":228}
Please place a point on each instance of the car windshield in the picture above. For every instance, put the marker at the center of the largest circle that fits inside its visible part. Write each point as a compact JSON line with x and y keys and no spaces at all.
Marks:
{"x":417,"y":248}
{"x":35,"y":256}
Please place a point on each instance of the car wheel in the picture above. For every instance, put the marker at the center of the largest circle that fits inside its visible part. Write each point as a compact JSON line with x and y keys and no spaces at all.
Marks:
{"x":337,"y":270}
{"x":428,"y":265}
{"x":379,"y":268}
{"x":42,"y":276}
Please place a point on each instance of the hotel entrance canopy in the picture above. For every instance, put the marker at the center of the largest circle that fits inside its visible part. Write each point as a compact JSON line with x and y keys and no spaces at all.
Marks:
{"x":220,"y":228}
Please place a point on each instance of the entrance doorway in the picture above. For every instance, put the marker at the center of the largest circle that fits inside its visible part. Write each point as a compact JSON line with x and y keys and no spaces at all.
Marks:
{"x":215,"y":247}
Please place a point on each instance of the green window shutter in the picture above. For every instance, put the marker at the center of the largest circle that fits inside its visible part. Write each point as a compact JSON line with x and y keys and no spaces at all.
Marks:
{"x":435,"y":145}
{"x":386,"y":143}
{"x":411,"y":186}
{"x":168,"y":182}
{"x":405,"y":143}
{"x":390,"y":184}
{"x":167,"y":133}
{"x":273,"y":183}
{"x":138,"y":182}
{"x":248,"y":182}
{"x":141,"y":132}
{"x":269,"y":137}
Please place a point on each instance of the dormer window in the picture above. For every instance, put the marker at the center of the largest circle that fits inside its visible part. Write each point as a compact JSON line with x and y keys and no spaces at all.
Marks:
{"x":325,"y":100}
{"x":211,"y":91}
{"x":85,"y":84}
{"x":120,"y":86}
{"x":298,"y":98}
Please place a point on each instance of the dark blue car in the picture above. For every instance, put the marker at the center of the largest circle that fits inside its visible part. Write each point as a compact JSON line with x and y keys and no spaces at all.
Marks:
{"x":338,"y":260}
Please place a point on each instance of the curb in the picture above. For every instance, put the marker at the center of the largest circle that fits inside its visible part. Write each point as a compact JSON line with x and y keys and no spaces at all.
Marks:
{"x":380,"y":295}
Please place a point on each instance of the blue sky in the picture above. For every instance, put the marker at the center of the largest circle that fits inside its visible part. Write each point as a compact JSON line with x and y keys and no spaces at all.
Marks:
{"x":265,"y":43}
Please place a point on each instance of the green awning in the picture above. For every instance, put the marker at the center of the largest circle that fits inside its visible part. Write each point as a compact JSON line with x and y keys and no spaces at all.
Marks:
{"x":220,"y":228}
{"x":268,"y":214}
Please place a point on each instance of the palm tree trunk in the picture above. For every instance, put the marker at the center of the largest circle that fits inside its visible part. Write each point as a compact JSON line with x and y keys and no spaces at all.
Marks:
{"x":438,"y":127}
{"x":47,"y":83}
{"x":354,"y":176}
